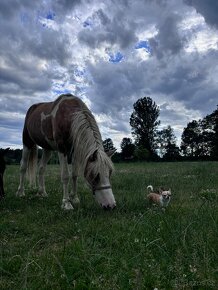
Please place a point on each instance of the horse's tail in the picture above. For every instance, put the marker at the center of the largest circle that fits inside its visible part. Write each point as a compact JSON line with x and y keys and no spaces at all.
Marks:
{"x":32,"y":166}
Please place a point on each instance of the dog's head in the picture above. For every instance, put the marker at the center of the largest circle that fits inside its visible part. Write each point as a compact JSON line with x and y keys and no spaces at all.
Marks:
{"x":166,"y":194}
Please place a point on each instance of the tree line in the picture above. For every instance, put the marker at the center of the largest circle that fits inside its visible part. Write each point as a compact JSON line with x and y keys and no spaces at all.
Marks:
{"x":13,"y":156}
{"x":199,"y":140}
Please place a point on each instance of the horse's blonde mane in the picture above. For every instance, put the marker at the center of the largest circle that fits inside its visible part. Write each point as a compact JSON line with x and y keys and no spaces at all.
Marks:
{"x":86,"y":140}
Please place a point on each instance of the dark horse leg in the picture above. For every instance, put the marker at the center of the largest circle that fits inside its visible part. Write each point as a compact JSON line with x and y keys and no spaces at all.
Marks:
{"x":2,"y":192}
{"x":2,"y":170}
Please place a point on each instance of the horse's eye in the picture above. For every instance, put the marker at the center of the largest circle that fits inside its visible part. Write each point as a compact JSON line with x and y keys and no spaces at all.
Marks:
{"x":97,"y":179}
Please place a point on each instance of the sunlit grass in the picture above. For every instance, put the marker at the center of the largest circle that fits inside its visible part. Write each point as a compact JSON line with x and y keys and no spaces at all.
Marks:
{"x":132,"y":247}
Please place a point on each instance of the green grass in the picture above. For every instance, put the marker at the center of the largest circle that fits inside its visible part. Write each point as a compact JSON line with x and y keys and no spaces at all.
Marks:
{"x":131,"y":247}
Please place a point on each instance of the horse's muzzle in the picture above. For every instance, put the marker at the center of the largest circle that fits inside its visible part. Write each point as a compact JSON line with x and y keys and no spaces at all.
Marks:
{"x":108,"y":207}
{"x":104,"y":196}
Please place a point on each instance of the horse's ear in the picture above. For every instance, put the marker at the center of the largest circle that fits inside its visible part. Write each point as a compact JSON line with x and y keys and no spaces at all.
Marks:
{"x":93,"y":157}
{"x":110,"y":153}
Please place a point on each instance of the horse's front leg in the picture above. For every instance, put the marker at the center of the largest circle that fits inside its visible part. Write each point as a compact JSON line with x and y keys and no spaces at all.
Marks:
{"x":66,"y":204}
{"x":73,"y":195}
{"x":46,"y":155}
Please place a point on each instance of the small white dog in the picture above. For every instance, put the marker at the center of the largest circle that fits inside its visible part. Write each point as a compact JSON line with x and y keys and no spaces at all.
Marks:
{"x":160,"y":197}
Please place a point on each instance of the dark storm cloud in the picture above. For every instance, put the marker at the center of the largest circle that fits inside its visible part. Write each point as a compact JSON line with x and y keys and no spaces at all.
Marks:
{"x":119,"y":23}
{"x":33,"y":39}
{"x":168,"y":39}
{"x":50,"y":46}
{"x":115,"y":85}
{"x":10,"y":8}
{"x":14,"y":122}
{"x":27,"y":47}
{"x":207,"y":8}
{"x":112,"y":31}
{"x":64,"y":7}
{"x":24,"y":80}
{"x":10,"y":138}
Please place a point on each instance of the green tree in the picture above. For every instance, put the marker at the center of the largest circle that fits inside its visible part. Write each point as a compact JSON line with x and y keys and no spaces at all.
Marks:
{"x":190,"y":139}
{"x":142,"y":154}
{"x":144,"y":121}
{"x":197,"y":139}
{"x":211,"y":133}
{"x":108,"y":144}
{"x":172,"y":152}
{"x":127,"y":148}
{"x":166,"y":144}
{"x":215,"y":138}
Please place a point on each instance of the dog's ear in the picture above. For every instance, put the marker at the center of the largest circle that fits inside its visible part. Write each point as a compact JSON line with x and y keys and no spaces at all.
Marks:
{"x":160,"y":190}
{"x":170,"y":191}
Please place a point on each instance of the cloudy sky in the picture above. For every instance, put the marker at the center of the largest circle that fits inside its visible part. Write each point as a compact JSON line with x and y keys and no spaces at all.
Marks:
{"x":109,"y":53}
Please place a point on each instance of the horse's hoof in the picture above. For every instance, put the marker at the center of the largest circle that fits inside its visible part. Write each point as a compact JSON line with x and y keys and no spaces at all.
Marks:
{"x":20,"y":193}
{"x":66,"y":205}
{"x":42,"y":194}
{"x":75,"y":201}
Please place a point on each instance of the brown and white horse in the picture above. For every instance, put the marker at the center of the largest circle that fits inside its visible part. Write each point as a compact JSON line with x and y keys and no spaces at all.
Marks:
{"x":67,"y":126}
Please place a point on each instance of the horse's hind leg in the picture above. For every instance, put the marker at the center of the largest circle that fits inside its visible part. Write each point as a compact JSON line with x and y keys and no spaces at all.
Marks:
{"x":46,"y":155}
{"x":66,"y":204}
{"x":23,"y":168}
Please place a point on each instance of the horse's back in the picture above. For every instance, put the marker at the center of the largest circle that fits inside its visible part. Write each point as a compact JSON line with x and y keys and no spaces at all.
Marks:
{"x":48,"y":124}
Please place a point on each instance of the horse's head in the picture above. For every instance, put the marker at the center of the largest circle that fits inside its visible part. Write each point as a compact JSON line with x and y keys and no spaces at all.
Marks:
{"x":98,"y":172}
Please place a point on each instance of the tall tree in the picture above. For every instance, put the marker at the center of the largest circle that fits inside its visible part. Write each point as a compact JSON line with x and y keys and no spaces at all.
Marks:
{"x":166,"y":144}
{"x":197,"y":138}
{"x":172,"y":152}
{"x":127,"y":148}
{"x":211,"y":132}
{"x":215,"y":139}
{"x":144,"y":123}
{"x":191,"y":139}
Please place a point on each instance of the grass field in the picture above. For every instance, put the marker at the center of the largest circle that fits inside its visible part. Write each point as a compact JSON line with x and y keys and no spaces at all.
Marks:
{"x":131,"y":247}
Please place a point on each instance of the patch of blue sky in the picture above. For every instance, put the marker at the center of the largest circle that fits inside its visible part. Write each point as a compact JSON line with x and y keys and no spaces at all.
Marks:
{"x":87,"y":24}
{"x":79,"y":72}
{"x":143,"y":44}
{"x":116,"y":57}
{"x":24,"y":18}
{"x":50,"y":15}
{"x":59,"y":92}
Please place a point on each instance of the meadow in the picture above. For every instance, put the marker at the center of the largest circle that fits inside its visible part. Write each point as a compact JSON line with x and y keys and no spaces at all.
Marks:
{"x":131,"y":247}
